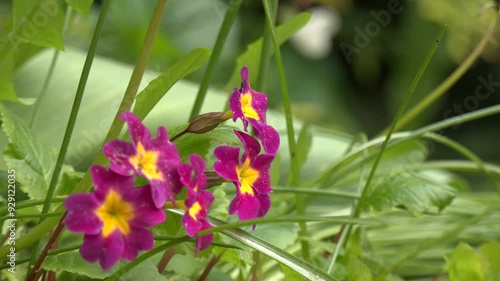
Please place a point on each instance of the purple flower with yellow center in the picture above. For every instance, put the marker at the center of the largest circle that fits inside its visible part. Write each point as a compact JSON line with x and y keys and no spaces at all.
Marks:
{"x":250,"y":176}
{"x":196,"y":218}
{"x":114,"y":218}
{"x":198,"y":201}
{"x":246,"y":103}
{"x":155,"y":159}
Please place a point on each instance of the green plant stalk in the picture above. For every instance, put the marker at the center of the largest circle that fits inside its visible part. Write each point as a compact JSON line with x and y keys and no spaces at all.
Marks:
{"x":457,"y":166}
{"x":146,"y":256}
{"x":448,"y":82}
{"x":29,"y":203}
{"x":72,"y":119}
{"x":52,"y":66}
{"x":466,"y":153}
{"x":114,"y":131}
{"x":451,"y":233}
{"x":234,"y":7}
{"x":315,"y":192}
{"x":366,"y":190}
{"x":266,"y":50}
{"x":292,"y":145}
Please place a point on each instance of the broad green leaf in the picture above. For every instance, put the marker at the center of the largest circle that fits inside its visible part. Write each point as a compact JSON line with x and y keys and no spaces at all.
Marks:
{"x":290,"y":275}
{"x":82,"y":6}
{"x":220,"y":205}
{"x":304,"y":143}
{"x":251,"y":57}
{"x":186,"y":265}
{"x":490,"y":260}
{"x":151,"y":95}
{"x":38,"y":22}
{"x":73,"y":262}
{"x":413,"y":191}
{"x":30,"y":158}
{"x":146,"y":270}
{"x":357,"y":270}
{"x":201,"y":144}
{"x":7,"y":91}
{"x":464,"y":264}
{"x":302,"y":267}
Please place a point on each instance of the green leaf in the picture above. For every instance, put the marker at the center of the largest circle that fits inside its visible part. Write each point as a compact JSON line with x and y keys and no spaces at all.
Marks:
{"x":290,"y":275}
{"x":201,"y":144}
{"x":38,"y":22}
{"x":220,"y":205}
{"x":357,"y":270}
{"x":82,"y":6}
{"x":7,"y":91}
{"x":464,"y":264}
{"x":490,"y":260}
{"x":304,"y":143}
{"x":73,"y":262}
{"x":146,"y":270}
{"x":186,"y":265}
{"x":156,"y":89}
{"x":302,"y":267}
{"x":30,"y":158}
{"x":251,"y":57}
{"x":413,"y":191}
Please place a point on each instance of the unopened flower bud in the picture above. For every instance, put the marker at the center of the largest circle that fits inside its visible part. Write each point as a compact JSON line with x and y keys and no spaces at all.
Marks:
{"x":206,"y":122}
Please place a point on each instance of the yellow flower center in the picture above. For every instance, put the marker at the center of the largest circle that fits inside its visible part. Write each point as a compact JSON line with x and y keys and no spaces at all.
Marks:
{"x":247,"y":176}
{"x":194,"y":210}
{"x":115,"y":213}
{"x":246,"y":107}
{"x":146,"y":162}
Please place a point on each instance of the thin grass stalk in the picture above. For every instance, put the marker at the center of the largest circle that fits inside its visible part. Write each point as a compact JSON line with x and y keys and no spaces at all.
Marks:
{"x":234,"y":7}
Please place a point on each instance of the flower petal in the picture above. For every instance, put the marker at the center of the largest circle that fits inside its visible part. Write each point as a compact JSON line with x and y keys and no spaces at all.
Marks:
{"x":227,"y":162}
{"x":247,"y":206}
{"x":262,"y":163}
{"x":138,"y":132}
{"x":252,"y":146}
{"x":105,"y":179}
{"x":146,"y":214}
{"x":268,"y":136}
{"x":81,"y":216}
{"x":105,"y":250}
{"x":204,"y":241}
{"x":119,"y":153}
{"x":138,"y":240}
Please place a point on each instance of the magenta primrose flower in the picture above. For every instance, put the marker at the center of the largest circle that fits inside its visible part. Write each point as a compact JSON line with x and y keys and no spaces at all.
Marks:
{"x":114,"y":218}
{"x":250,"y":176}
{"x":246,"y":103}
{"x":155,"y":159}
{"x":198,"y":200}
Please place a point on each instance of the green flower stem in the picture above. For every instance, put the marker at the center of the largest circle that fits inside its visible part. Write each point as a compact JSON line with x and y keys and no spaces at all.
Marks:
{"x":266,"y":50}
{"x":146,"y":256}
{"x":84,"y":185}
{"x":448,"y":82}
{"x":445,"y":237}
{"x":366,"y":190}
{"x":315,"y":192}
{"x":29,"y":203}
{"x":457,"y":166}
{"x":32,"y":216}
{"x":292,"y":144}
{"x":234,"y":7}
{"x":72,"y":119}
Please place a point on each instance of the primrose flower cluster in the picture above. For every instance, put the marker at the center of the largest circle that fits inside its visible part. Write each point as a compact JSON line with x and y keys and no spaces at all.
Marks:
{"x":116,"y":217}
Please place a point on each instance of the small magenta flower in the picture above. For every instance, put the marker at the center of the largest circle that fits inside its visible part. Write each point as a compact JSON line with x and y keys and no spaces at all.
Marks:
{"x":250,"y":176}
{"x":113,"y":217}
{"x":155,"y":159}
{"x":198,"y":201}
{"x":268,"y":136}
{"x":246,"y":103}
{"x":196,"y":218}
